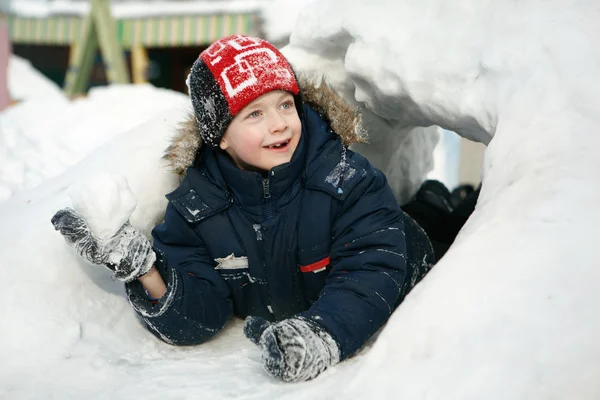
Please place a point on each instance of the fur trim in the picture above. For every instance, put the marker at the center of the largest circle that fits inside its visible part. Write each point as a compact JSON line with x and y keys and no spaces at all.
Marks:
{"x":345,"y":120}
{"x":184,"y":147}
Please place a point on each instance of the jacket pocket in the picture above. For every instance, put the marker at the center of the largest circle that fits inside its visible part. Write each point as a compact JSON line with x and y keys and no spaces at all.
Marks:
{"x":314,"y":275}
{"x":243,"y":291}
{"x":234,"y":271}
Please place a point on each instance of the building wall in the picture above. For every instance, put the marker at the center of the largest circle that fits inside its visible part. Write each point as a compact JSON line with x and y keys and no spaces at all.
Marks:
{"x":4,"y":56}
{"x":471,"y":161}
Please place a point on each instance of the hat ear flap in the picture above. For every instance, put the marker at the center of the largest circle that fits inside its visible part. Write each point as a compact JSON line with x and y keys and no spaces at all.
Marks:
{"x":209,"y":103}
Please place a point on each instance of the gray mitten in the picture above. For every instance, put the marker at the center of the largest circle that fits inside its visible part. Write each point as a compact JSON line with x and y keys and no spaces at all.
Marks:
{"x":293,"y":350}
{"x":128,"y":254}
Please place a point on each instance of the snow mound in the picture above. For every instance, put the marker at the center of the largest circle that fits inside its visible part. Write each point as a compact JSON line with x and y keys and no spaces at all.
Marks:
{"x":46,"y":133}
{"x":27,"y":83}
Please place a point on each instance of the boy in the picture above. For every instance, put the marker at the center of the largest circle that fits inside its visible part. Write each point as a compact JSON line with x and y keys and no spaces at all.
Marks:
{"x":275,"y":221}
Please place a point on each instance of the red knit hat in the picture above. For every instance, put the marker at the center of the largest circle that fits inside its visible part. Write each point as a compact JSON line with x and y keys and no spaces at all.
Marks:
{"x":231,"y":73}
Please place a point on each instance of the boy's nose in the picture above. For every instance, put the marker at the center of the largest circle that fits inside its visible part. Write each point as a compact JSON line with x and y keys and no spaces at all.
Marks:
{"x":277,"y":123}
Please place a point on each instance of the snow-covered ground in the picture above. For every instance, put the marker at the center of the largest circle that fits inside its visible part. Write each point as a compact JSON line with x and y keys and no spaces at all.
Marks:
{"x":509,"y":313}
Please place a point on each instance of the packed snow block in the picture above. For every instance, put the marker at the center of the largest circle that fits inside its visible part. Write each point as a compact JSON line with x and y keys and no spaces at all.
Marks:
{"x":105,"y":202}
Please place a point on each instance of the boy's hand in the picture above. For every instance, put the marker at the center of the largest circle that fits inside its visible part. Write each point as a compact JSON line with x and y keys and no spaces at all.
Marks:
{"x":293,"y":350}
{"x":128,"y":254}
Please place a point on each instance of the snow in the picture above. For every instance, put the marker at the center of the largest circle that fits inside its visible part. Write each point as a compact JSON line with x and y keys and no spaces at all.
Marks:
{"x":45,"y":133}
{"x":509,"y":313}
{"x":279,"y":17}
{"x":27,"y":83}
{"x":105,"y":202}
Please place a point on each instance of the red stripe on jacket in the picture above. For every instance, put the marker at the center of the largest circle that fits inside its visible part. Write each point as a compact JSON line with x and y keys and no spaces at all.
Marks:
{"x":316,"y":266}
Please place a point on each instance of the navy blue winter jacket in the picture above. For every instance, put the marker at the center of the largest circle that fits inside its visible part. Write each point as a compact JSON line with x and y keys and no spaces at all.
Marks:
{"x":315,"y":237}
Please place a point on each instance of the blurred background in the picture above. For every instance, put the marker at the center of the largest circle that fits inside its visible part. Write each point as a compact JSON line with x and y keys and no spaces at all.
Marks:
{"x":159,"y":39}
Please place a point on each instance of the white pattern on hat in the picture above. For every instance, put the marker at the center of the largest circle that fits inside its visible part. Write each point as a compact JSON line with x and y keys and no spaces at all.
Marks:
{"x":243,"y":66}
{"x":238,"y":42}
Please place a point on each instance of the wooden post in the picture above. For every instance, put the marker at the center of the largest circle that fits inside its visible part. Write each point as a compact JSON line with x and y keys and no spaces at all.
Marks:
{"x":81,"y":59}
{"x":99,"y":32}
{"x":112,"y":53}
{"x":139,"y":64}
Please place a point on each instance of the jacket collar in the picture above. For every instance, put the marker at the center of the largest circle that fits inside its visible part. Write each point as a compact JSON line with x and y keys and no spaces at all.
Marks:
{"x":251,"y":190}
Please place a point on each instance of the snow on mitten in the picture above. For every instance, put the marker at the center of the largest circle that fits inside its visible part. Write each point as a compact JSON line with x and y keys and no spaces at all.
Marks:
{"x":128,"y":254}
{"x":293,"y":350}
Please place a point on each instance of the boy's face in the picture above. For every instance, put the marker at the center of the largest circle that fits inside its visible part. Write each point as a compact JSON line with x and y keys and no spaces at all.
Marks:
{"x":265,"y":133}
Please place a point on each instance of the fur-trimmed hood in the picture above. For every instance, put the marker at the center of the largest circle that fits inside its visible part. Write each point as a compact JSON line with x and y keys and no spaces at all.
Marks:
{"x":344,"y":119}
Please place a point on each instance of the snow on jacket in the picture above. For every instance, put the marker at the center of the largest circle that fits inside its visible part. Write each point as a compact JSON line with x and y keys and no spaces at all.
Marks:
{"x":321,"y":236}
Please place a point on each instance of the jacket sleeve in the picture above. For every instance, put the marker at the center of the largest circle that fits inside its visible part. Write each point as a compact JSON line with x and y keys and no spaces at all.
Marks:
{"x":368,"y":258}
{"x":197,"y":303}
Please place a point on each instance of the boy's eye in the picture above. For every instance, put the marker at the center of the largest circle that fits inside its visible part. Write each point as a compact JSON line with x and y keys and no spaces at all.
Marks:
{"x":287,"y":105}
{"x":254,"y":114}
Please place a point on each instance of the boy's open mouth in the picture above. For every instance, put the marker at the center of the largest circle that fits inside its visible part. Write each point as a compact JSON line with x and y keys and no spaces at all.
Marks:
{"x":283,"y":145}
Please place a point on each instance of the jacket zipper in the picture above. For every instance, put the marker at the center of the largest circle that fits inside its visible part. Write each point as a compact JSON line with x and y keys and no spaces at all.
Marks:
{"x":267,"y":196}
{"x":267,"y":214}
